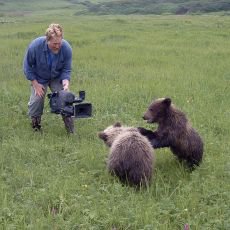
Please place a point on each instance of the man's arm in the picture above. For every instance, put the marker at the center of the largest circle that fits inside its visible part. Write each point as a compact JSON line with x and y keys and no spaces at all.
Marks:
{"x":67,"y":68}
{"x":28,"y":63}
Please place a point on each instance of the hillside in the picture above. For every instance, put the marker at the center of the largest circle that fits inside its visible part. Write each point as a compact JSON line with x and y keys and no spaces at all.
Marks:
{"x":154,"y":6}
{"x":114,"y":7}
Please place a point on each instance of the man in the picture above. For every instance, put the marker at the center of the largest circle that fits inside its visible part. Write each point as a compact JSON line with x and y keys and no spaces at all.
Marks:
{"x":47,"y":63}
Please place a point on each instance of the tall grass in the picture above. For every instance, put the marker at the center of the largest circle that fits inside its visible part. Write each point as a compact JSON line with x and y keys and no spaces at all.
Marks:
{"x":51,"y":181}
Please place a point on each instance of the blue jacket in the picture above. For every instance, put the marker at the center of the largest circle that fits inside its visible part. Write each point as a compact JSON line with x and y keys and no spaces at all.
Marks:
{"x":43,"y":66}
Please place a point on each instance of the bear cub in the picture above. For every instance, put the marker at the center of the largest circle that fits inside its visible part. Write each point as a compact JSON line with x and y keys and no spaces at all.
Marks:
{"x":131,"y":156}
{"x":174,"y":131}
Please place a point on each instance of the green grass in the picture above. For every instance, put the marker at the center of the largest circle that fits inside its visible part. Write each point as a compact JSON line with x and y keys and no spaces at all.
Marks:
{"x":112,"y":7}
{"x":127,"y":7}
{"x":51,"y":181}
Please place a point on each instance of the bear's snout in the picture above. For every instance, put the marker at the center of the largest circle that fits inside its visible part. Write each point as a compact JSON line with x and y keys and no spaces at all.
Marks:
{"x":146,"y":118}
{"x":103,"y":136}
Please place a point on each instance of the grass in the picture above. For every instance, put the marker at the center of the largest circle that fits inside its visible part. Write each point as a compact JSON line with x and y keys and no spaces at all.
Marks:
{"x":51,"y":181}
{"x":112,"y":7}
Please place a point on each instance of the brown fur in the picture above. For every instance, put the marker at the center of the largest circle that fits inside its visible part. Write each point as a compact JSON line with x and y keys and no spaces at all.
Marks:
{"x":131,"y":155}
{"x":174,"y":131}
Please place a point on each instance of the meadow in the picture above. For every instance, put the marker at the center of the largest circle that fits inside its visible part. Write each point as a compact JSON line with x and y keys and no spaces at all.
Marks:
{"x":51,"y":181}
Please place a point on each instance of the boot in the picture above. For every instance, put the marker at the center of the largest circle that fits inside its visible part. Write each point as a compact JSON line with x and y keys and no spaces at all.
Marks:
{"x":36,"y":123}
{"x":69,"y":124}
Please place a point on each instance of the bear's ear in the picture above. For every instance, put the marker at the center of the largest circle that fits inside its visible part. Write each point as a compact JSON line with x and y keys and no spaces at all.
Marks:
{"x":167,"y":101}
{"x":103,"y":136}
{"x":117,"y":124}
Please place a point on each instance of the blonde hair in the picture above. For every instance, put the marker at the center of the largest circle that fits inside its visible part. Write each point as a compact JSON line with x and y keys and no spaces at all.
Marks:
{"x":54,"y":30}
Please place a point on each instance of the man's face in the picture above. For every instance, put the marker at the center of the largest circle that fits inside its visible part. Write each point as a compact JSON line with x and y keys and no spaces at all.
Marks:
{"x":54,"y":44}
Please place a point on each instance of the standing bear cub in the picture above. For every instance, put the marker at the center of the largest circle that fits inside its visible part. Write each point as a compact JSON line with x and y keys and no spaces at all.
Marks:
{"x":174,"y":131}
{"x":131,"y":156}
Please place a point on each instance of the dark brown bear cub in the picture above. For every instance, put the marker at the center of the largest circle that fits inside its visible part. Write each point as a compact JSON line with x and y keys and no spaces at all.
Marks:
{"x":174,"y":131}
{"x":131,"y":156}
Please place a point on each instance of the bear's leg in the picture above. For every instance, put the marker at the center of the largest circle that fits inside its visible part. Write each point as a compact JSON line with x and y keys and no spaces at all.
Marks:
{"x":146,"y":132}
{"x":156,"y":140}
{"x":159,"y":143}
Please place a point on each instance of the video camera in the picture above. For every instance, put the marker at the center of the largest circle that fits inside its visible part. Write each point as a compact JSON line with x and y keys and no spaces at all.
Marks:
{"x":67,"y":104}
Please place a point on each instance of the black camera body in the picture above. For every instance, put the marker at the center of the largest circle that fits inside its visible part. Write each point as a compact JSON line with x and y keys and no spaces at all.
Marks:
{"x":67,"y":104}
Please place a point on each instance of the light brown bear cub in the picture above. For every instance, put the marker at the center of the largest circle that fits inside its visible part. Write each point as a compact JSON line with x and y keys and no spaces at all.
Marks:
{"x":174,"y":131}
{"x":131,"y":156}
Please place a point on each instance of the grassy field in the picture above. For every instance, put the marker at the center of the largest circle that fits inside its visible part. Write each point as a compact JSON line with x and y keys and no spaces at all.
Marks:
{"x":51,"y":181}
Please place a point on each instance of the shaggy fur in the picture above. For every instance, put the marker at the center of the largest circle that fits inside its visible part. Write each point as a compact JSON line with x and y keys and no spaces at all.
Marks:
{"x":131,"y":155}
{"x":174,"y":131}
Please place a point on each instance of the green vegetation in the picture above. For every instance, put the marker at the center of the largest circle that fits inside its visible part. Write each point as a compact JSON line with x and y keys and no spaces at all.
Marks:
{"x":51,"y":181}
{"x":114,"y":7}
{"x":154,"y":7}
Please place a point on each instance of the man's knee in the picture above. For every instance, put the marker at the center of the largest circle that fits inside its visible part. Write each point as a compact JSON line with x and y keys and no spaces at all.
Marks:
{"x":36,"y":100}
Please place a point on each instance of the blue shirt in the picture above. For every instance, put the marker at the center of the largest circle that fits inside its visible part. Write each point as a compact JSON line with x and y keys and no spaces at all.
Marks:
{"x":42,"y":65}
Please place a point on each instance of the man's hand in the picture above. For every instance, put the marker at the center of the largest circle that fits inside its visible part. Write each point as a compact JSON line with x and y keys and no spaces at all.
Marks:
{"x":65,"y":84}
{"x":39,"y":89}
